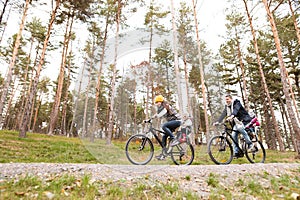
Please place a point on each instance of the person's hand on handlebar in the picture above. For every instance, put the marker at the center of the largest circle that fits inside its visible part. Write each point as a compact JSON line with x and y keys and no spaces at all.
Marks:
{"x":230,"y":118}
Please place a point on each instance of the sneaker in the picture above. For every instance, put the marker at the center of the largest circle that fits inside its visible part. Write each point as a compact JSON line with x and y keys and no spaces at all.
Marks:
{"x":174,"y":142}
{"x":238,"y":155}
{"x":160,"y":157}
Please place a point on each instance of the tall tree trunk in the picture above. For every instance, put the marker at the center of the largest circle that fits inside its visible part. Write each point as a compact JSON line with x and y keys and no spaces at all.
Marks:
{"x":27,"y":92}
{"x":11,"y":98}
{"x":283,"y":75}
{"x":4,"y":25}
{"x":288,"y":122}
{"x":76,"y":102}
{"x":3,"y":10}
{"x":285,"y":131}
{"x":186,"y":77}
{"x":12,"y":63}
{"x":84,"y":121}
{"x":39,"y":102}
{"x":61,"y":78}
{"x":24,"y":126}
{"x":26,"y":86}
{"x":65,"y":98}
{"x":295,"y":21}
{"x":98,"y":86}
{"x":263,"y":81}
{"x":201,"y":73}
{"x":268,"y":129}
{"x":149,"y":71}
{"x":113,"y":83}
{"x":242,"y":66}
{"x":176,"y":65}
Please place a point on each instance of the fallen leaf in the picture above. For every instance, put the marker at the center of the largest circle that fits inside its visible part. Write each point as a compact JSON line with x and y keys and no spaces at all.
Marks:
{"x":20,"y":193}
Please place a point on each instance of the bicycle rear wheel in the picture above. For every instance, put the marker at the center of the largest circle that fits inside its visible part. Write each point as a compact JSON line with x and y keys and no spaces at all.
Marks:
{"x":139,"y":149}
{"x":220,"y":150}
{"x":183,"y":154}
{"x":258,"y":154}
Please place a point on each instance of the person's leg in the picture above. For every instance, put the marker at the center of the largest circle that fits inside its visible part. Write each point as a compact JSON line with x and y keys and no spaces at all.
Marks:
{"x":164,"y":140}
{"x":246,"y":136}
{"x":170,"y":125}
{"x":235,"y":138}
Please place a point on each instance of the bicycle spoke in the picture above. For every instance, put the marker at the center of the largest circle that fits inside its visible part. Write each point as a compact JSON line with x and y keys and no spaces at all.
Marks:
{"x":258,"y":154}
{"x":182,"y":154}
{"x":220,"y":150}
{"x":139,"y":149}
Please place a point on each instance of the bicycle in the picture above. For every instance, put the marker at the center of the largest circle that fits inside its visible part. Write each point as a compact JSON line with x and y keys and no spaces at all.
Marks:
{"x":220,"y":149}
{"x":139,"y":148}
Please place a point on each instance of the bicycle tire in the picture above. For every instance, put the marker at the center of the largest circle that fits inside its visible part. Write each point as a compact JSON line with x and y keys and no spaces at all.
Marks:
{"x":258,"y":155}
{"x":220,"y":150}
{"x":183,"y":154}
{"x":139,"y":149}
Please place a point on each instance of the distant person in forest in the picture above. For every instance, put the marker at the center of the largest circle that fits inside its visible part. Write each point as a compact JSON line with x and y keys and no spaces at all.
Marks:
{"x":173,"y":121}
{"x":236,"y":113}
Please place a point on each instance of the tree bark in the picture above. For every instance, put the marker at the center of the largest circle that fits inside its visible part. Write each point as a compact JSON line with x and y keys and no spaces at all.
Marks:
{"x":295,"y":21}
{"x":24,"y":126}
{"x":61,"y":78}
{"x":242,"y":66}
{"x":65,"y":98}
{"x":113,"y":83}
{"x":76,"y":102}
{"x":283,"y":75}
{"x":98,"y":87}
{"x":263,"y":81}
{"x":176,"y":65}
{"x":3,"y":10}
{"x":201,"y":74}
{"x":12,"y":63}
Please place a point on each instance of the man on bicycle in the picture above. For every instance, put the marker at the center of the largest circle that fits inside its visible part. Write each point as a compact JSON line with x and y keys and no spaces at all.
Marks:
{"x":173,"y":121}
{"x":236,"y":113}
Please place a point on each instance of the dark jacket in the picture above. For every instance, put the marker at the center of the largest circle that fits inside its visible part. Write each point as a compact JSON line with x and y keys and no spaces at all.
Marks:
{"x":238,"y":111}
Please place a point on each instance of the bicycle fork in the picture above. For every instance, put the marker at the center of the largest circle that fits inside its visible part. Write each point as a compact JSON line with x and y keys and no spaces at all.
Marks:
{"x":142,"y":146}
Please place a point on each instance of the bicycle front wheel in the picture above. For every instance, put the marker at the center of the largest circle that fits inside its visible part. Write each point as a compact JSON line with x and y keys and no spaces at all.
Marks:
{"x":139,"y":149}
{"x":183,"y":154}
{"x":220,"y":150}
{"x":258,"y":154}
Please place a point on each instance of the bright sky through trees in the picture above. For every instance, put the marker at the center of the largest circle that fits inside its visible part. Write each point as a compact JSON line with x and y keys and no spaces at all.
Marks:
{"x":211,"y":18}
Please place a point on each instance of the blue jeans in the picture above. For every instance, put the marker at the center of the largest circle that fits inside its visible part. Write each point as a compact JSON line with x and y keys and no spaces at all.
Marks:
{"x":235,"y":137}
{"x":168,"y":128}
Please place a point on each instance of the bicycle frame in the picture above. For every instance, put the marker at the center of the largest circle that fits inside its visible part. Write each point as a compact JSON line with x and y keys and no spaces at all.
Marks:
{"x":181,"y":153}
{"x":154,"y":133}
{"x":227,"y":132}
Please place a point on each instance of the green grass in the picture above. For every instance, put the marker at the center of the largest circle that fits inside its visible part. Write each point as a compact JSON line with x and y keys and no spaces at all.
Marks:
{"x":69,"y":187}
{"x":42,"y":148}
{"x":259,"y":186}
{"x":58,"y":149}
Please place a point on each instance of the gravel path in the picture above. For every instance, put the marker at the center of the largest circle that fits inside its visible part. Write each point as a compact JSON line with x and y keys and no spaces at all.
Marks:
{"x":197,"y":181}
